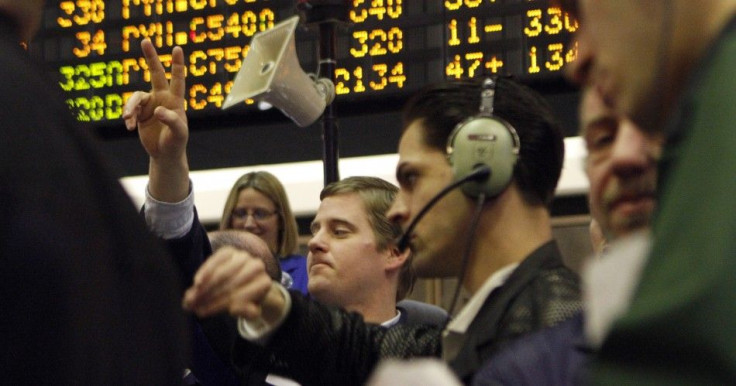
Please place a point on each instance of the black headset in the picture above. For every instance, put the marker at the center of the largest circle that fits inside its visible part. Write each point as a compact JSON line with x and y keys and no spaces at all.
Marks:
{"x":484,"y":140}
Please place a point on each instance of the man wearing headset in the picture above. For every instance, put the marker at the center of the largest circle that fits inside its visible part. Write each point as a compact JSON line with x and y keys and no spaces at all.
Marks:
{"x":514,"y":269}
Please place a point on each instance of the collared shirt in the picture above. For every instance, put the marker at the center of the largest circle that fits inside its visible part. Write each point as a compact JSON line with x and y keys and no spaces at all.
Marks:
{"x":393,"y":320}
{"x":609,"y":284}
{"x":454,"y":335}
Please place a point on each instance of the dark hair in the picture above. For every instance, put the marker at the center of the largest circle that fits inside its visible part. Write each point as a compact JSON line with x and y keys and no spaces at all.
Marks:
{"x":377,"y":196}
{"x":443,"y":106}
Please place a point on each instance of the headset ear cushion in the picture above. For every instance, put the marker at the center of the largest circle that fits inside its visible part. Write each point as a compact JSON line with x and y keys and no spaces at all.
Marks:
{"x":486,"y":141}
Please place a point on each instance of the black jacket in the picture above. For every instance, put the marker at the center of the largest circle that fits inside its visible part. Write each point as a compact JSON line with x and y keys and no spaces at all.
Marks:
{"x":318,"y":345}
{"x":87,"y":295}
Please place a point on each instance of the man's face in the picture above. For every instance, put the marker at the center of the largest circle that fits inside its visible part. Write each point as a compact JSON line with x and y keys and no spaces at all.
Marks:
{"x":422,"y":172}
{"x":344,"y":262}
{"x":622,"y":47}
{"x":621,"y":167}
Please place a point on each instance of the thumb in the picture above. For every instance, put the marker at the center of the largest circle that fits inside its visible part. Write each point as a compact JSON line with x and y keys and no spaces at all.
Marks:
{"x":171,"y":119}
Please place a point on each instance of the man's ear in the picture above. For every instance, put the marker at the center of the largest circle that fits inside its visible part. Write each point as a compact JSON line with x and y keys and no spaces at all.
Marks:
{"x":395,"y":259}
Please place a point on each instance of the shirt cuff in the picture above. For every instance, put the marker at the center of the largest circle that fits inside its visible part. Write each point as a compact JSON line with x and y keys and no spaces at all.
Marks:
{"x":258,"y":331}
{"x":169,"y":220}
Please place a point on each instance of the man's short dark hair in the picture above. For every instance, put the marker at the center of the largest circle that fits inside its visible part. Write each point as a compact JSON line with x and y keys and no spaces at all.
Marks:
{"x":443,"y":106}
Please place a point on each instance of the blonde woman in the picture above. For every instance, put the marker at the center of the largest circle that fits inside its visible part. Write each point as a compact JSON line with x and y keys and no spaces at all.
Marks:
{"x":258,"y":204}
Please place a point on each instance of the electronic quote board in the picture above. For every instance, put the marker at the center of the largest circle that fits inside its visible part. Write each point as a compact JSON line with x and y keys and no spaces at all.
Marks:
{"x":389,"y":47}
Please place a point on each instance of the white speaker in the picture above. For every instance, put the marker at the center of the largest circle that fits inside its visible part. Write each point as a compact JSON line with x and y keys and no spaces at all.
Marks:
{"x":271,"y":73}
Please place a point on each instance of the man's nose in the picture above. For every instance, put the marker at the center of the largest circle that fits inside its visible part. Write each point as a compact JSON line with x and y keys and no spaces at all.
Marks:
{"x":316,"y":243}
{"x":631,"y":152}
{"x":397,"y":213}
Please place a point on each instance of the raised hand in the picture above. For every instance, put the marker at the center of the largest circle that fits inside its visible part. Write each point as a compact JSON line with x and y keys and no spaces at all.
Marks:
{"x":162,"y":125}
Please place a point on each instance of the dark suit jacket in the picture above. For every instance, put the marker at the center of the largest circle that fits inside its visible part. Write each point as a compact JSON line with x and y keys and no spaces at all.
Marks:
{"x":212,"y":338}
{"x":322,"y":345}
{"x":87,"y":295}
{"x":541,"y":292}
{"x":550,"y":357}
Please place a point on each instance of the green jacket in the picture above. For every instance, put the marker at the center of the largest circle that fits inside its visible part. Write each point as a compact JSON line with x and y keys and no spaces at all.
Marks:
{"x":681,"y":327}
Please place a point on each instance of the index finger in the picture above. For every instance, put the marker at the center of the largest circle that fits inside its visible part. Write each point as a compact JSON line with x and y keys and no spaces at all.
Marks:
{"x":158,"y":75}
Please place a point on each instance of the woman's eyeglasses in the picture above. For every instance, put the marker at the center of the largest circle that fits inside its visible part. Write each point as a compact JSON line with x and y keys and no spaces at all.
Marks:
{"x":258,"y":214}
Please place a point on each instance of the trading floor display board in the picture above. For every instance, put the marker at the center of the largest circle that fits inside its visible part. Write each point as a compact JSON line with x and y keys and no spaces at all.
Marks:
{"x":388,"y":47}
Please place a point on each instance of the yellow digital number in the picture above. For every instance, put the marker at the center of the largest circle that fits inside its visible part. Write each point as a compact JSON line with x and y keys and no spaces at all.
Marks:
{"x":475,"y":59}
{"x":359,"y":16}
{"x":385,"y":42}
{"x":533,"y":67}
{"x":454,"y":40}
{"x":473,"y":25}
{"x":97,"y":75}
{"x":214,"y":23}
{"x":377,"y":8}
{"x":454,"y":5}
{"x":81,"y":12}
{"x":200,"y":96}
{"x":378,"y":36}
{"x":362,"y":38}
{"x":571,"y":24}
{"x":68,"y":73}
{"x":395,"y":40}
{"x":232,"y":26}
{"x":359,"y":86}
{"x":572,"y":53}
{"x":556,"y":61}
{"x":454,"y":68}
{"x":90,"y":43}
{"x":535,"y":23}
{"x":233,"y":58}
{"x":380,"y":70}
{"x":558,"y":21}
{"x":555,"y":22}
{"x":397,"y":75}
{"x":342,"y":76}
{"x":68,"y":8}
{"x":394,"y":8}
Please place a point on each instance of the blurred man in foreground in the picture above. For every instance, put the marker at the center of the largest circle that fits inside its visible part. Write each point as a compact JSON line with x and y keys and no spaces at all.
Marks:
{"x":88,"y":296}
{"x":678,"y":82}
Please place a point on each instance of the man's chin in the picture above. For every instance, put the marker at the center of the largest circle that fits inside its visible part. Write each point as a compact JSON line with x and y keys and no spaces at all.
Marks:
{"x":631,"y":225}
{"x":429,"y":268}
{"x":319,"y":290}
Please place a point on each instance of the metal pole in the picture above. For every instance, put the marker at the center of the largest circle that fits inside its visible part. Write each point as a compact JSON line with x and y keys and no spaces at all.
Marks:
{"x":328,"y":14}
{"x":330,"y":133}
